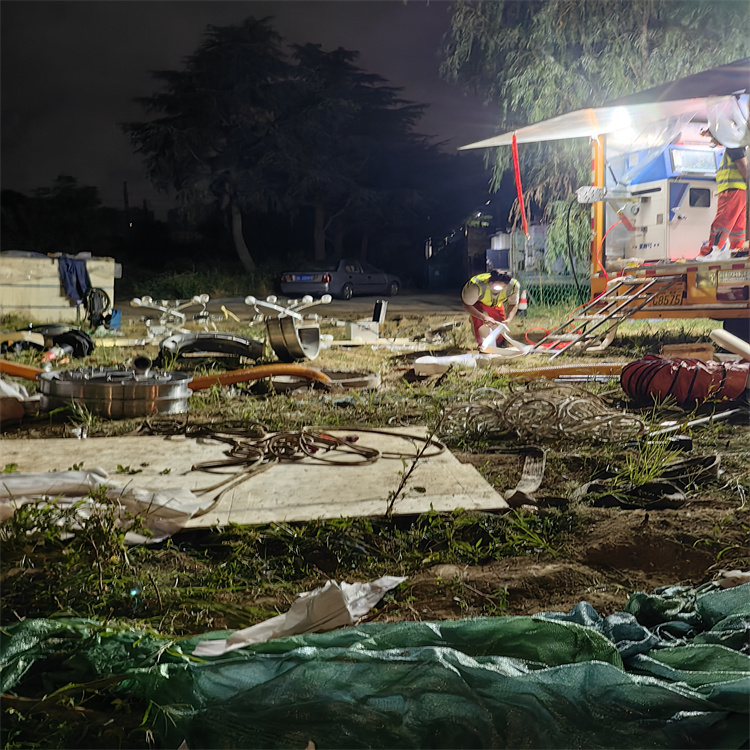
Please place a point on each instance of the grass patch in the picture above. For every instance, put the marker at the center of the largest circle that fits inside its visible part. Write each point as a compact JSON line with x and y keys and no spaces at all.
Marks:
{"x":218,"y":283}
{"x":232,"y":577}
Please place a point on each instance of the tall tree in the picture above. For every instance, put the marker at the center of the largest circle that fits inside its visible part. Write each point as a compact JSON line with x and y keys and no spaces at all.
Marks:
{"x":208,"y":141}
{"x":347,"y":121}
{"x":534,"y":59}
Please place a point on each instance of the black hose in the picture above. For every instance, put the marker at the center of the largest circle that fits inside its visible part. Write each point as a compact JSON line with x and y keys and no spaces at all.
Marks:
{"x":97,"y":303}
{"x":570,"y":254}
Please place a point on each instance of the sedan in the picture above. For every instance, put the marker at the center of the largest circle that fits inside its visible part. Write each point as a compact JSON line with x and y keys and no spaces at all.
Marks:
{"x":339,"y":278}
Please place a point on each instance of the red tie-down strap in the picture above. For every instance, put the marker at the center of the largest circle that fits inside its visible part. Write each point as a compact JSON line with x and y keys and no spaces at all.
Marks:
{"x":688,"y":381}
{"x":519,"y":189}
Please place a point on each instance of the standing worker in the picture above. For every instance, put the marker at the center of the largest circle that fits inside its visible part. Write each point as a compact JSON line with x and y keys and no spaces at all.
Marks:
{"x":484,"y":297}
{"x":728,"y":228}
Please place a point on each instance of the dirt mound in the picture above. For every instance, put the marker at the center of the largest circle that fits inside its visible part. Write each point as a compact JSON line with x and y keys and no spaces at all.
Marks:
{"x":617,"y":553}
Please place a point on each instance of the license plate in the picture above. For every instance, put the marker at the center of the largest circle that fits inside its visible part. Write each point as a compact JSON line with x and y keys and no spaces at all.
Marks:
{"x":667,"y":299}
{"x":304,"y":278}
{"x":727,"y":277}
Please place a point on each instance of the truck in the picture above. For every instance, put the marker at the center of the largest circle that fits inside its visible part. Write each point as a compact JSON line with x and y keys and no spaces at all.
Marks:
{"x":653,"y":199}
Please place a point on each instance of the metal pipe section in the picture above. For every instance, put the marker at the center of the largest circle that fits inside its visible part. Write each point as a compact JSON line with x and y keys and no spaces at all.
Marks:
{"x":597,"y":209}
{"x":142,"y":365}
{"x":695,"y":422}
{"x":556,"y":372}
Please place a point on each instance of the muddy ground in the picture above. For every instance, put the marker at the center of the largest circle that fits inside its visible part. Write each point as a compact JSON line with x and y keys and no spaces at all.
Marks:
{"x":615,"y":554}
{"x":600,"y":555}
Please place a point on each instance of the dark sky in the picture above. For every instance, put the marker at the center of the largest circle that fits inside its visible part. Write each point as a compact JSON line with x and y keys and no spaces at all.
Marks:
{"x":71,"y":68}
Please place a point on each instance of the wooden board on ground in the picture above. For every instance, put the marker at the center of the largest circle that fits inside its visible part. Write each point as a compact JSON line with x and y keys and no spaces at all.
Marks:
{"x":297,"y":491}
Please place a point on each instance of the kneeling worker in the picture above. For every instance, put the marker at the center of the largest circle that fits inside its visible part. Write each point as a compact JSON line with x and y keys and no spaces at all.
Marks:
{"x":484,"y":297}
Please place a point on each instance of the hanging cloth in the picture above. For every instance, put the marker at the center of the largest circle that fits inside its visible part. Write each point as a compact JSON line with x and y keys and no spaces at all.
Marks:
{"x":74,"y":277}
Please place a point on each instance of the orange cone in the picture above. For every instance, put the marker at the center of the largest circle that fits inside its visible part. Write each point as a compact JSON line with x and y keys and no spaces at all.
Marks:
{"x":523,"y":304}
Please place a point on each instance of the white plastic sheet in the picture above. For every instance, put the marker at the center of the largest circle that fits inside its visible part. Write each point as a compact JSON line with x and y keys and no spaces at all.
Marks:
{"x":332,"y":606}
{"x":163,"y":512}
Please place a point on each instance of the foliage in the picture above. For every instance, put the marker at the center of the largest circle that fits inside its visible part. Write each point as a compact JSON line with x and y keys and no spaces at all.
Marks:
{"x":537,"y":59}
{"x":65,"y":217}
{"x":48,"y":567}
{"x":217,"y":283}
{"x":212,"y":118}
{"x":646,"y":464}
{"x":569,"y":233}
{"x":344,"y":154}
{"x":246,"y":131}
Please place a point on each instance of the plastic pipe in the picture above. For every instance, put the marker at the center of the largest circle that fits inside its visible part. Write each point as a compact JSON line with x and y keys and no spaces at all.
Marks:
{"x":730,"y":342}
{"x":554,"y":372}
{"x":20,"y":371}
{"x":257,"y":373}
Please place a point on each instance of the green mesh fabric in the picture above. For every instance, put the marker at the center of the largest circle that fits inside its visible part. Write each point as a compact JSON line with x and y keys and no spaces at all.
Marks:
{"x":549,"y":681}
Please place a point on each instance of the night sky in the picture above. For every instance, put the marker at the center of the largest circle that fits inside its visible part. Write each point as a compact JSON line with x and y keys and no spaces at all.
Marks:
{"x":71,"y":69}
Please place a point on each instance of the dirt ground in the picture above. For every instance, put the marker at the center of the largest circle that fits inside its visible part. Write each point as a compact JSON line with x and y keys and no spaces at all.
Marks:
{"x":600,"y":555}
{"x":616,"y":554}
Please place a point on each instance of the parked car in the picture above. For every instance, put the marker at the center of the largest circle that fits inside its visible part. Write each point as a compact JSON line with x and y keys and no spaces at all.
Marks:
{"x":339,"y":278}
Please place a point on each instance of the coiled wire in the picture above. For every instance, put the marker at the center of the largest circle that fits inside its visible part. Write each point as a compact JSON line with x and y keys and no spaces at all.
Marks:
{"x":542,"y":411}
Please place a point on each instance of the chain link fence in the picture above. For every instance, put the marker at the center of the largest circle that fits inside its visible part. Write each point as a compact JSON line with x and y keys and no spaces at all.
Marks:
{"x":548,"y":290}
{"x":548,"y":285}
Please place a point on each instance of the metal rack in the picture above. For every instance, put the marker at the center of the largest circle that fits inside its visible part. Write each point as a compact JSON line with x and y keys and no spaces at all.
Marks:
{"x":594,"y":325}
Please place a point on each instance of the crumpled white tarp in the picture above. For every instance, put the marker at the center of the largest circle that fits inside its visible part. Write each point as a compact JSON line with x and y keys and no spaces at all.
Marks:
{"x":488,"y":351}
{"x":163,"y":512}
{"x":332,"y":606}
{"x":429,"y":365}
{"x":515,"y":348}
{"x":10,"y":389}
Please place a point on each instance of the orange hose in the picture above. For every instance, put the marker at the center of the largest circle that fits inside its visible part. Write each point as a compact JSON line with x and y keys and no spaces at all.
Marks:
{"x":20,"y":371}
{"x":256,"y":373}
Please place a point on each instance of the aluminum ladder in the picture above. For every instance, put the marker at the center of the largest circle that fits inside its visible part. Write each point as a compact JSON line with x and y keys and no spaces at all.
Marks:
{"x":596,"y":322}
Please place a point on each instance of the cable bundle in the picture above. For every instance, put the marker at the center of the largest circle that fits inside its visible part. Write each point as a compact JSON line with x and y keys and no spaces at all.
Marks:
{"x":688,"y":381}
{"x":543,"y":411}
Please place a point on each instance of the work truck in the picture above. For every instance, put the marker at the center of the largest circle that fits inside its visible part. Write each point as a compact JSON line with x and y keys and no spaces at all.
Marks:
{"x":653,"y":198}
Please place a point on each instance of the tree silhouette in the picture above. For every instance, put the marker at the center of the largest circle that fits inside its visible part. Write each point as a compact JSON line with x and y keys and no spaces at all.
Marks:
{"x":348,"y":123}
{"x":245,"y":128}
{"x":209,"y":139}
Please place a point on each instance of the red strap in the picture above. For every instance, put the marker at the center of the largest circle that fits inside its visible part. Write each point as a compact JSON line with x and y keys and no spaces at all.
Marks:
{"x":519,"y":190}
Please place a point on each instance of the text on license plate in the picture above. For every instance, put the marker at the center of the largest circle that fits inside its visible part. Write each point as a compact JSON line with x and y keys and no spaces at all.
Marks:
{"x":742,"y":274}
{"x":667,"y":299}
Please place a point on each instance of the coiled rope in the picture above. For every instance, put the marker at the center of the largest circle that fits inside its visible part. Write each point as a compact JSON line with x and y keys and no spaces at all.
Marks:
{"x":252,"y":449}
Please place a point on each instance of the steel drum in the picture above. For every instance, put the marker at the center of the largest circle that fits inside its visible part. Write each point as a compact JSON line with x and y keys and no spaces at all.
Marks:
{"x":117,"y":393}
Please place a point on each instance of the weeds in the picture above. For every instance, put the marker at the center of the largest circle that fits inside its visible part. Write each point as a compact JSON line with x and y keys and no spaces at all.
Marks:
{"x":529,"y":532}
{"x":186,"y":284}
{"x":646,"y":465}
{"x":56,"y":562}
{"x":68,"y":558}
{"x":83,"y":422}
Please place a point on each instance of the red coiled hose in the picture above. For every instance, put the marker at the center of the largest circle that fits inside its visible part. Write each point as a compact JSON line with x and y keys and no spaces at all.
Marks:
{"x":689,"y":381}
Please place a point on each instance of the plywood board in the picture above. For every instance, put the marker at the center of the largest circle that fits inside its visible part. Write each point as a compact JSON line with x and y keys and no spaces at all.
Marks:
{"x":296,"y":491}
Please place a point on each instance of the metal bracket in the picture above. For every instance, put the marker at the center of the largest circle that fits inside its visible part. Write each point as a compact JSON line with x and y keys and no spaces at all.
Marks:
{"x":288,"y":336}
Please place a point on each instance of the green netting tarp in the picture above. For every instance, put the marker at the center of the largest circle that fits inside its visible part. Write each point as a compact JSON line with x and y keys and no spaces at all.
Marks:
{"x":671,"y":671}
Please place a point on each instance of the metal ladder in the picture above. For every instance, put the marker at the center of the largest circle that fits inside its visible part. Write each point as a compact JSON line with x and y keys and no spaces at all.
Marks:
{"x":605,"y":313}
